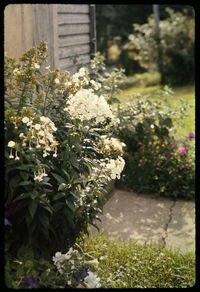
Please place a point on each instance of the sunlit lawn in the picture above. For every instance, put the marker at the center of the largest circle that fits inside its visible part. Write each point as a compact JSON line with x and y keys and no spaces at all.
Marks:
{"x":185,"y":92}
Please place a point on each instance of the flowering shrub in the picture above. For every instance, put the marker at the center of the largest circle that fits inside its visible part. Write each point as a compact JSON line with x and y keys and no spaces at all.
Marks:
{"x":56,"y":169}
{"x":156,"y":161}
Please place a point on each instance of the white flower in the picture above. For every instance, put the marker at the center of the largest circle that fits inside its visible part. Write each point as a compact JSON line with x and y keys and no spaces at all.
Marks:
{"x":57,"y":81}
{"x":41,"y":133}
{"x":25,"y":120}
{"x":47,"y":67}
{"x":67,"y":83}
{"x":114,"y":167}
{"x":15,"y":71}
{"x":37,"y":126}
{"x":11,"y":144}
{"x":45,"y":119}
{"x":82,"y":71}
{"x":37,"y":66}
{"x":21,"y":135}
{"x":95,"y":84}
{"x":92,"y":281}
{"x":50,"y":137}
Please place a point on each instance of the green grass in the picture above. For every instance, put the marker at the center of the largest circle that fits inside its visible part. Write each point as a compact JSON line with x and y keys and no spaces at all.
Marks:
{"x":187,"y":93}
{"x":130,"y":265}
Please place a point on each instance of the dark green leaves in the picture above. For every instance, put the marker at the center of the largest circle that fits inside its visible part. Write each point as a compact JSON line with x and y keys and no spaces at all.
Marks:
{"x":32,"y":208}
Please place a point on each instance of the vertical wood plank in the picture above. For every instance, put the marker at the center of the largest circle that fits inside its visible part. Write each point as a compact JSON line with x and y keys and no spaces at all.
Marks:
{"x":45,"y":28}
{"x":92,"y":29}
{"x":53,"y":30}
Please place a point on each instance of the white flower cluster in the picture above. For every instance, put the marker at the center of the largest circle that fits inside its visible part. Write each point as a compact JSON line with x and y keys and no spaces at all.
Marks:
{"x":85,"y":105}
{"x":111,"y":144}
{"x":39,"y":176}
{"x":60,"y":259}
{"x":114,"y":167}
{"x":95,"y":85}
{"x":12,"y":144}
{"x":77,"y":80}
{"x":92,"y":281}
{"x":68,"y":263}
{"x":40,"y":134}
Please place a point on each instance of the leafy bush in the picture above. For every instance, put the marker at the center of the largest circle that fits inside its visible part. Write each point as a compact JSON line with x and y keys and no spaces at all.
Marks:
{"x":156,"y":162}
{"x":141,"y":80}
{"x":176,"y":42}
{"x":56,"y":169}
{"x":111,"y":263}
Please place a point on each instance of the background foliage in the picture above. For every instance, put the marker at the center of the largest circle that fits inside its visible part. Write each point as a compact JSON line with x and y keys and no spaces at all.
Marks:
{"x":115,"y":24}
{"x":153,"y":162}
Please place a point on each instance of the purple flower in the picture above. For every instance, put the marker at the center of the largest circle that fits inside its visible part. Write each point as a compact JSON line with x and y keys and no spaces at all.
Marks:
{"x":191,"y":135}
{"x":7,"y":222}
{"x":82,"y":272}
{"x":32,"y":282}
{"x":182,"y":150}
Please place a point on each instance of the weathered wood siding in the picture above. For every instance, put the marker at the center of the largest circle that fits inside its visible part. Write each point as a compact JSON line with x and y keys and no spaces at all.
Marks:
{"x":73,"y":36}
{"x":69,"y":30}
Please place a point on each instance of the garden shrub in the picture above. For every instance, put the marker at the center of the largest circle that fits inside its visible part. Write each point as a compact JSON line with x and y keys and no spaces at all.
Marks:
{"x":56,"y":165}
{"x":100,"y":262}
{"x":157,"y":162}
{"x":176,"y":42}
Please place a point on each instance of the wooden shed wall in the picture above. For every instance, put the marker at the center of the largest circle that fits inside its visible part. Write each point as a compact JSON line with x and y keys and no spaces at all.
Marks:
{"x":69,"y":30}
{"x":73,"y":35}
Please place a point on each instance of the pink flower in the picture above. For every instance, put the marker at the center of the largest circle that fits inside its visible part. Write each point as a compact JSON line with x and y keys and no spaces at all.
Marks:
{"x":173,"y":145}
{"x":185,"y":165}
{"x":182,"y":150}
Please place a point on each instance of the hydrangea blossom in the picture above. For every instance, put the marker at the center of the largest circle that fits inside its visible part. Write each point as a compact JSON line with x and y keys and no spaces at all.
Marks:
{"x":85,"y":105}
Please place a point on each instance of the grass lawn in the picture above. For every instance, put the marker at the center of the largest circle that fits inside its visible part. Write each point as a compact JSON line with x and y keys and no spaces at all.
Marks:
{"x":131,"y":265}
{"x":186,"y":93}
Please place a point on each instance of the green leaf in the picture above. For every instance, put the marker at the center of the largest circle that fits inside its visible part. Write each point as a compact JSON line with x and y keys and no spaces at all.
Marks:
{"x":70,"y":205}
{"x":67,"y":174}
{"x":62,"y":186}
{"x":23,"y":196}
{"x":58,"y":178}
{"x":74,"y":195}
{"x":58,"y":196}
{"x":58,"y":206}
{"x":32,"y":208}
{"x":25,"y":183}
{"x":33,"y":195}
